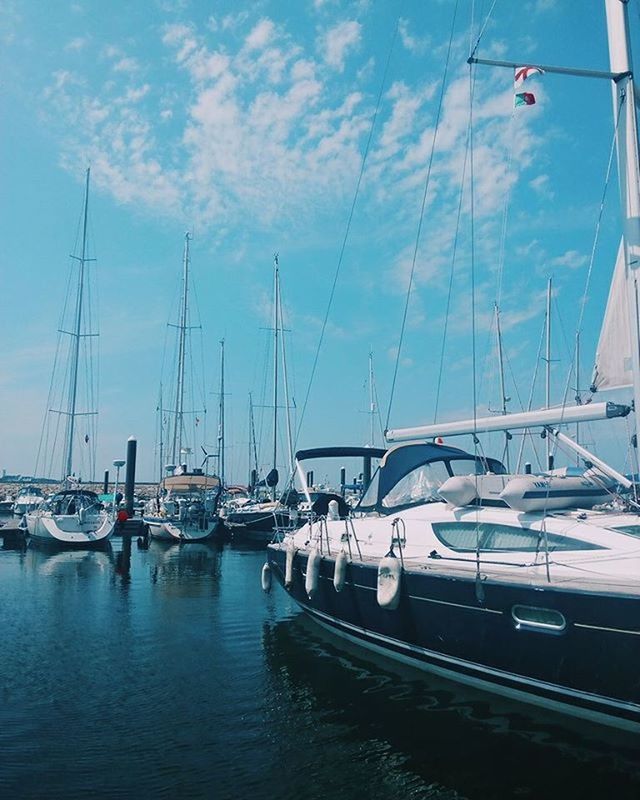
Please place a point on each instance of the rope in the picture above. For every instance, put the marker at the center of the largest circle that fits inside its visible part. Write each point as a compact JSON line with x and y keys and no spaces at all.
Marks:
{"x":421,"y":218}
{"x":347,"y":231}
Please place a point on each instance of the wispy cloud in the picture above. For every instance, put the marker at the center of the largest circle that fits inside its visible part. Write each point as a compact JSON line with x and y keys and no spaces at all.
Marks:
{"x":335,"y":43}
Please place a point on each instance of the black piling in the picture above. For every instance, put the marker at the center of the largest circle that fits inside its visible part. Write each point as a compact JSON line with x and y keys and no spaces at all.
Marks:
{"x":105,"y":485}
{"x":343,"y":479}
{"x":130,"y":479}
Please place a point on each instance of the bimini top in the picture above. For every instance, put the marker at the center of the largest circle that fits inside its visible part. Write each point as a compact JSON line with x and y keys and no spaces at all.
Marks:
{"x":411,"y":474}
{"x":340,"y":452}
{"x":187,"y":482}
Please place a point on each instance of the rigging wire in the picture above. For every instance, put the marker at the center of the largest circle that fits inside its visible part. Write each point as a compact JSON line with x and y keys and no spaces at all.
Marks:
{"x":421,"y":218}
{"x":347,"y":230}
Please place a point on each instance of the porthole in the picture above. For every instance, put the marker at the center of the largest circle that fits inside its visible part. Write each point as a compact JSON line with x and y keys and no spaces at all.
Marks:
{"x":542,"y":619}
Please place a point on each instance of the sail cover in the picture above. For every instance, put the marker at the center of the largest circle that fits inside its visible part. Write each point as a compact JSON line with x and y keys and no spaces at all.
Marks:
{"x":612,"y":369}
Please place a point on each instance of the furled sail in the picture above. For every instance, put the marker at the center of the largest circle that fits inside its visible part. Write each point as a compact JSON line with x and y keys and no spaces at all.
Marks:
{"x":612,"y":369}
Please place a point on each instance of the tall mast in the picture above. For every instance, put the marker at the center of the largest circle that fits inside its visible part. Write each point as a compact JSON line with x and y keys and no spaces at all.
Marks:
{"x":73,"y":393}
{"x":221,"y":418}
{"x":276,"y":284}
{"x":161,"y":436}
{"x":624,"y":114}
{"x":503,"y":394}
{"x":176,"y":447}
{"x":547,"y":359}
{"x":285,"y":380}
{"x":253,"y":449}
{"x":578,"y":395}
{"x":372,"y":403}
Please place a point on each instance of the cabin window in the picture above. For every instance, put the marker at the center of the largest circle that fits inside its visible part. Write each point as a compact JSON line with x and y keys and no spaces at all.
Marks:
{"x":465,"y":537}
{"x":475,"y":466}
{"x":418,"y":486}
{"x":370,"y":497}
{"x":545,"y":619}
{"x":634,"y":530}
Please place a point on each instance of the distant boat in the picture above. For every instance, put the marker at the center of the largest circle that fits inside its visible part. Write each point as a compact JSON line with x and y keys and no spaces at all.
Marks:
{"x":73,"y":516}
{"x":27,"y":499}
{"x":263,"y":515}
{"x":185,"y":508}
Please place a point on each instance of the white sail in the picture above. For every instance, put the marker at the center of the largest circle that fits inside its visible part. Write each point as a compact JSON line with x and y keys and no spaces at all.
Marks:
{"x":613,"y":366}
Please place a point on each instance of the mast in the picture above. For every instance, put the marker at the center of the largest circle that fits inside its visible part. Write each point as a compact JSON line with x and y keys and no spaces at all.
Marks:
{"x":75,"y":359}
{"x":372,"y":402}
{"x":503,"y":394}
{"x":285,"y":380}
{"x":176,"y":447}
{"x":624,"y":115}
{"x":547,"y":397}
{"x":161,"y":443}
{"x":276,"y":284}
{"x":221,"y":418}
{"x":253,"y":449}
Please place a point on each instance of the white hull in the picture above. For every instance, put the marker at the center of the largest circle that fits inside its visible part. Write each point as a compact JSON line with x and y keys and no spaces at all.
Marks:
{"x":171,"y":530}
{"x":68,"y":529}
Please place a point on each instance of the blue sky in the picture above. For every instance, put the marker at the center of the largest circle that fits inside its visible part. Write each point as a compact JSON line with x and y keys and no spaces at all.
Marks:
{"x":246,"y":125}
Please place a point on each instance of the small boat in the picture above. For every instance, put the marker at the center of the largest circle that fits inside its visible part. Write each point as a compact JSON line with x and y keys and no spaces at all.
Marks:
{"x":27,"y":499}
{"x":74,"y":516}
{"x":185,"y":508}
{"x":6,"y":505}
{"x":185,"y":511}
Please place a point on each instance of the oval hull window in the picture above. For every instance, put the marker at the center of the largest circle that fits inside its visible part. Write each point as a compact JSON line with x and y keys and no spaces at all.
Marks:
{"x":541,"y":619}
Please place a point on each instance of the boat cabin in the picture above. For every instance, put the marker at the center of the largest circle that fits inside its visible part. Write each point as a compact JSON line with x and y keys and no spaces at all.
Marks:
{"x":411,"y":474}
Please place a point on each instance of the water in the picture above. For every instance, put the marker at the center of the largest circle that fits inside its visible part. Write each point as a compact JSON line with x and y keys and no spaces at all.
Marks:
{"x":175,"y":676}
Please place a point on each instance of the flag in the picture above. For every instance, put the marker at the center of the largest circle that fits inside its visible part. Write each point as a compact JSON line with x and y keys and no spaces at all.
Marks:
{"x":524,"y":99}
{"x":522,"y":73}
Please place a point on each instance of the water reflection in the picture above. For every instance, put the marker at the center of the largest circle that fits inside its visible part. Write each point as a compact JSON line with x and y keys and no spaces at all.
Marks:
{"x":186,"y":568}
{"x":417,"y":735}
{"x":68,"y":564}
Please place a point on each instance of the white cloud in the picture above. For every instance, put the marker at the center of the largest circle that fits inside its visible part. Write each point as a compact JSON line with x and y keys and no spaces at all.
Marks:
{"x":411,"y":43}
{"x":337,"y":41}
{"x":260,"y":35}
{"x":79,"y":43}
{"x":571,"y":259}
{"x":126,"y":64}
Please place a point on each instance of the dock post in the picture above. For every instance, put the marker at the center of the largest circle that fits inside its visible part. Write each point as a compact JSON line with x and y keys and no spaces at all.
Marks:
{"x":105,"y":485}
{"x":343,"y":480}
{"x":130,"y":479}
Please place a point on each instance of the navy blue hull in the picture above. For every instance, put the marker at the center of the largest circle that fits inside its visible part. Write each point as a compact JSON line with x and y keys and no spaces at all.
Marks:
{"x":591,"y":668}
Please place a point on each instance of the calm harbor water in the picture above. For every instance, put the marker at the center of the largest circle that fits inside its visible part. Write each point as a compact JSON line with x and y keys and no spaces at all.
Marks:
{"x":171,"y":674}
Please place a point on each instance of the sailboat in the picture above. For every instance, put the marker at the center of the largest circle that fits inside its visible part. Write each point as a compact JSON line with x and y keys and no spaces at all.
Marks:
{"x":514,"y":584}
{"x":185,"y":508}
{"x":262,"y":516}
{"x":74,"y":516}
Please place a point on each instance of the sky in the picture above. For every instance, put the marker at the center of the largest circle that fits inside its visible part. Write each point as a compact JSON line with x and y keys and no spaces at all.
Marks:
{"x":248,"y":126}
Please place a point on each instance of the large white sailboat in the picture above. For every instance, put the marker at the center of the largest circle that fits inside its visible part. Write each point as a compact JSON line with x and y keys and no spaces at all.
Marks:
{"x":185,"y":508}
{"x":73,"y":516}
{"x":511,"y":583}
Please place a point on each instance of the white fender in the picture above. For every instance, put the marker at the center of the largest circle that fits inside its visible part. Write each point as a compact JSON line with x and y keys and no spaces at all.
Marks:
{"x":389,"y":575}
{"x":288,"y":569}
{"x":340,"y":571}
{"x":266,"y":578}
{"x":458,"y":490}
{"x":333,"y":511}
{"x":313,"y":568}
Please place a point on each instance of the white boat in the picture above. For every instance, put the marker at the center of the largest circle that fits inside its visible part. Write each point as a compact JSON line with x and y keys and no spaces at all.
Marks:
{"x":185,"y":508}
{"x":73,"y":516}
{"x":521,"y":585}
{"x":27,"y":499}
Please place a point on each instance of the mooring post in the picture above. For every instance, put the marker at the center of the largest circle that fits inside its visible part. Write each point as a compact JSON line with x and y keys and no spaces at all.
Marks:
{"x":130,"y":479}
{"x":343,"y":480}
{"x":105,"y":485}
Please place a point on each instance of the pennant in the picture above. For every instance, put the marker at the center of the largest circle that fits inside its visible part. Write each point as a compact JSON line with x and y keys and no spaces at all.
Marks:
{"x":524,"y":99}
{"x":522,"y":73}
